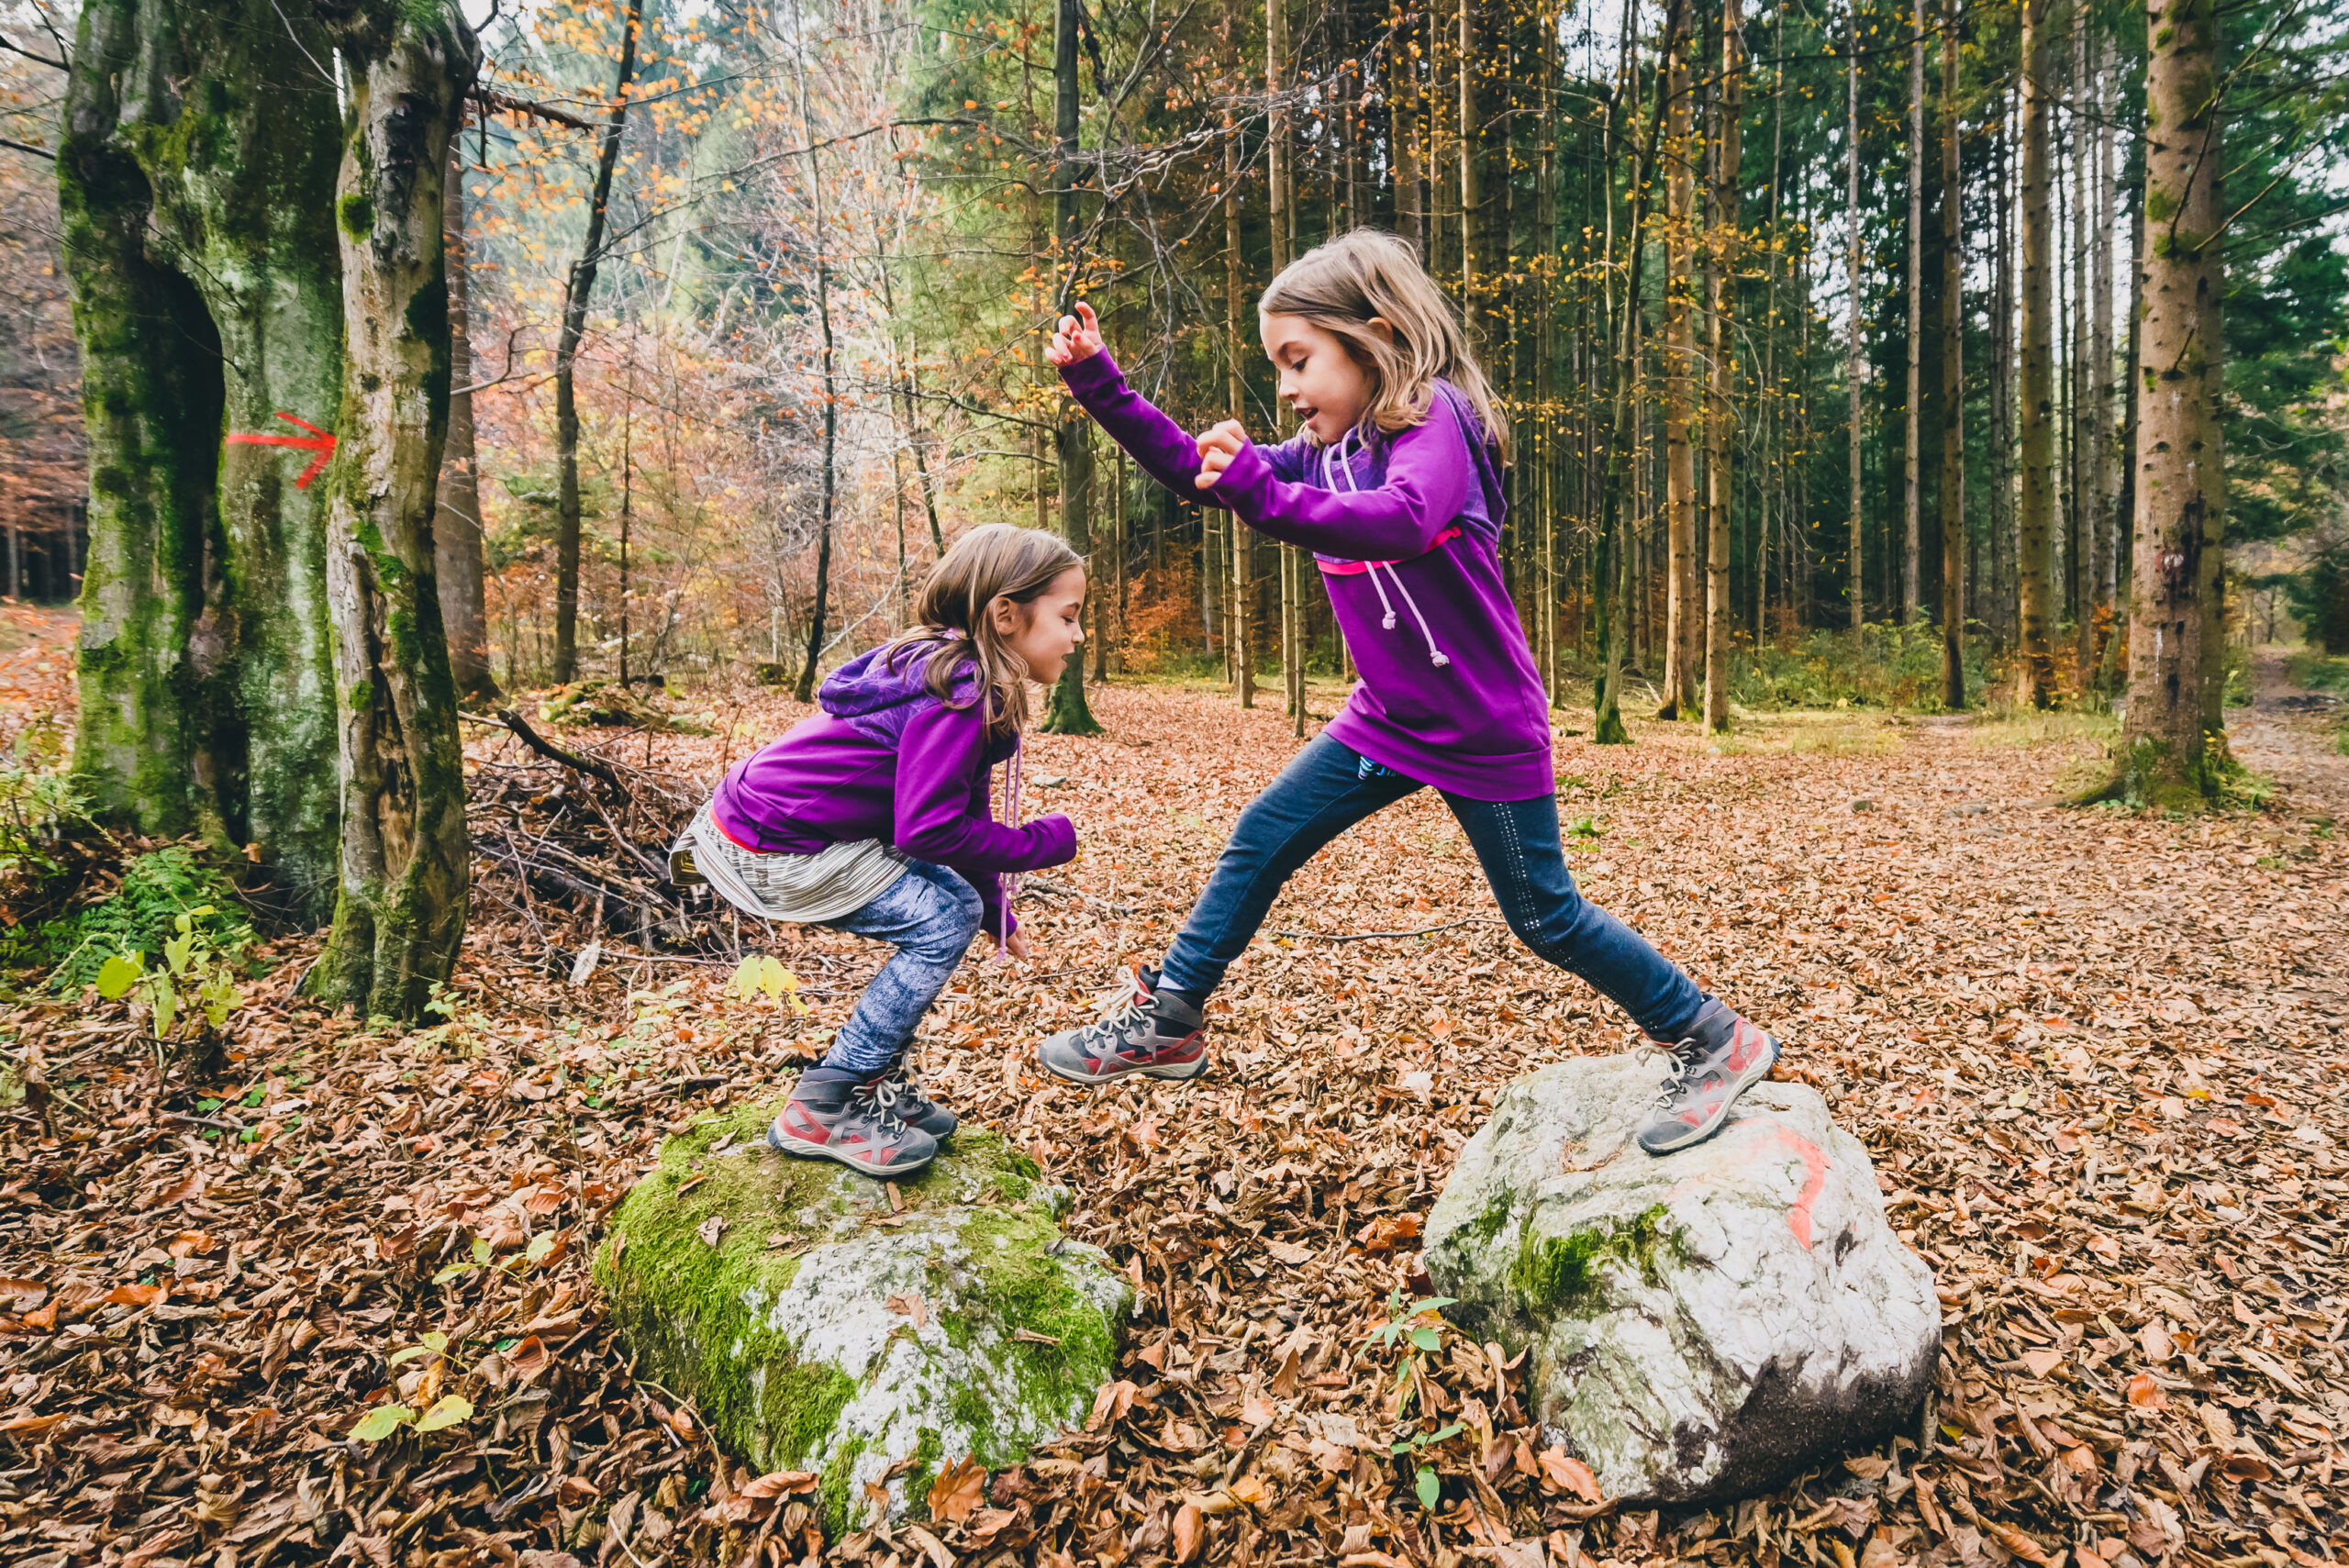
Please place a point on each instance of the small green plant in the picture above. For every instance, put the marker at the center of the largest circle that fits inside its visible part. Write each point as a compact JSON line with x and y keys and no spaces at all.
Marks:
{"x":193,"y":978}
{"x":1427,"y":1484}
{"x":1404,"y":1329}
{"x":142,"y":915}
{"x":38,"y":802}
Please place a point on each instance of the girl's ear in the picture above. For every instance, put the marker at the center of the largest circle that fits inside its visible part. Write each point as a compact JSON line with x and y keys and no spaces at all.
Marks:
{"x":1005,"y":615}
{"x":1384,"y":327}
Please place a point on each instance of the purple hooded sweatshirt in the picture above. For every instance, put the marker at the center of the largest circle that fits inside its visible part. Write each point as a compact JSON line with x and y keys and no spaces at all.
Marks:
{"x":888,"y":760}
{"x":1406,"y":529}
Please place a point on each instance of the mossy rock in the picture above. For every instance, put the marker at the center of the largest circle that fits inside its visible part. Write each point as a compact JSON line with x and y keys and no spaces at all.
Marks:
{"x":611,"y":705}
{"x":1700,"y":1326}
{"x":784,"y":1333}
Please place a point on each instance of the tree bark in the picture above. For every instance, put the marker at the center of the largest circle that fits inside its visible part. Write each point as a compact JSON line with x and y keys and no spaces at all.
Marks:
{"x":1911,"y":470}
{"x":2104,"y":468}
{"x":2035,"y":524}
{"x":1472,"y":193}
{"x":456,"y":525}
{"x":827,"y":350}
{"x":1403,"y":124}
{"x":577,"y":289}
{"x":1854,"y":362}
{"x":1280,"y":201}
{"x":1953,"y":493}
{"x":1728,"y":151}
{"x":405,"y":870}
{"x":199,"y":242}
{"x":1068,"y":713}
{"x":2173,"y":746}
{"x":1684,"y":624}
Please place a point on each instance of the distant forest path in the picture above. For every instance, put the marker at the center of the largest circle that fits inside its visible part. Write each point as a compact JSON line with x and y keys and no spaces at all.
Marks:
{"x":2293,"y":735}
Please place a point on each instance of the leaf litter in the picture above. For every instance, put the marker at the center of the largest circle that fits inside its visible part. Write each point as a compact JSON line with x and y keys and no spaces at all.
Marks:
{"x":346,"y":1313}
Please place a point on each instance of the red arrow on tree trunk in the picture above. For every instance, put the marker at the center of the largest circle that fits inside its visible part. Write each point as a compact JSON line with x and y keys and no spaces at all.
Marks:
{"x":318,"y":440}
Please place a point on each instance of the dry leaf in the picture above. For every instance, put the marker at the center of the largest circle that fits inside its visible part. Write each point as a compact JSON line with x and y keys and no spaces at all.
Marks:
{"x":958,"y":1491}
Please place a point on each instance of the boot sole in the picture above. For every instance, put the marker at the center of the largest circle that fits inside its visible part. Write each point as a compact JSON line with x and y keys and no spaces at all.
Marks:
{"x":1712,"y":1124}
{"x":1178,"y":1073}
{"x":800,"y":1150}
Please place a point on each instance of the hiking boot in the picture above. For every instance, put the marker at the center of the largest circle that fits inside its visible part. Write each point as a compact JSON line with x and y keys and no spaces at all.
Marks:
{"x":1724,"y":1054}
{"x":897,"y":1090}
{"x":834,"y":1113}
{"x":1154,"y":1033}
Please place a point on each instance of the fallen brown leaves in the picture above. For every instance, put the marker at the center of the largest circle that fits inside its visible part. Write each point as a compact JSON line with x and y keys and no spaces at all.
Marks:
{"x":2095,"y":1058}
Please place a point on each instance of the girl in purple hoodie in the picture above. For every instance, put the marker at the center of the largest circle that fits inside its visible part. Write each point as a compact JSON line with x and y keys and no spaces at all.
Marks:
{"x":1395,"y":484}
{"x":873,"y":817}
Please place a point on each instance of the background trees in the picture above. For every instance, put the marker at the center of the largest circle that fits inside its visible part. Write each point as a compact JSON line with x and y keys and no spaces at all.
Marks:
{"x":756,"y":295}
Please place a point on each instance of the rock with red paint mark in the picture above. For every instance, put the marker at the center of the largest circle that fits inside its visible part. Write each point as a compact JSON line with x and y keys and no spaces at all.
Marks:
{"x":1702,"y":1324}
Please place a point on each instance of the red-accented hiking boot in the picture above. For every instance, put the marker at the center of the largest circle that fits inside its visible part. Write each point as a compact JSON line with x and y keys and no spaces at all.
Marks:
{"x":1724,"y":1054}
{"x":836,"y":1115}
{"x":904,"y":1100}
{"x":1155,"y":1034}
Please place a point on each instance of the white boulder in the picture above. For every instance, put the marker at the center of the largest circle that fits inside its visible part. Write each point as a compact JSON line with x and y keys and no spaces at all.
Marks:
{"x":1702,"y":1324}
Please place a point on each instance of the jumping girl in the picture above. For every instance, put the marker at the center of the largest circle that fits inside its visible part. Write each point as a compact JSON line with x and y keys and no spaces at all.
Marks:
{"x":872,"y":817}
{"x":1395,"y":484}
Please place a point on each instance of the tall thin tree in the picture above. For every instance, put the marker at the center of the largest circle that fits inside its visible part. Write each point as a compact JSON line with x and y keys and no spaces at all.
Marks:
{"x":1721,"y":407}
{"x":1911,"y":474}
{"x":1068,"y":713}
{"x":828,"y":498}
{"x":1953,"y":493}
{"x":2035,"y":524}
{"x":1683,"y":633}
{"x":2173,"y":745}
{"x":577,"y":290}
{"x":1854,"y":358}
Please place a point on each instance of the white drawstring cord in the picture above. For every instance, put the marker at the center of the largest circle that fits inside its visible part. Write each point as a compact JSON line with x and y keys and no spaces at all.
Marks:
{"x":1436,"y":656}
{"x":1008,"y":881}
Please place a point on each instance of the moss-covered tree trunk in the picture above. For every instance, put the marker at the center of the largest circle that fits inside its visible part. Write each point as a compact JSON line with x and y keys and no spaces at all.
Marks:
{"x":196,"y":181}
{"x":401,"y":909}
{"x":2174,"y":742}
{"x":2035,"y":524}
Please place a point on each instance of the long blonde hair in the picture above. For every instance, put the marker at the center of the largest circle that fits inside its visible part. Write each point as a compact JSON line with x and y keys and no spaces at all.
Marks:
{"x":1341,"y":286}
{"x":990,"y":563}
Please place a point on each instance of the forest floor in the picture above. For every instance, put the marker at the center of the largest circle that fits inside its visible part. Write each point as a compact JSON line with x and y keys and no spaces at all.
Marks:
{"x":2098,"y":1056}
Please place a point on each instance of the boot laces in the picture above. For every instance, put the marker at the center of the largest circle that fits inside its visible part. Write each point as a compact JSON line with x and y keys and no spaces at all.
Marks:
{"x":884,"y":1093}
{"x":1679,"y":1060}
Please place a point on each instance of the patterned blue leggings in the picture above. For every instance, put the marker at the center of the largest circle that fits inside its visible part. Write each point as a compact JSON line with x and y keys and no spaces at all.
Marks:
{"x":929,"y":915}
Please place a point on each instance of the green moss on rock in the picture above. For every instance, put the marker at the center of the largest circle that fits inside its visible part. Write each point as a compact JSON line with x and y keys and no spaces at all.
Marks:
{"x":782,"y":1330}
{"x":1552,"y":1272}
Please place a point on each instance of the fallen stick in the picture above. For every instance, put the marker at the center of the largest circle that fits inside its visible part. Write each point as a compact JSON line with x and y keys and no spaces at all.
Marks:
{"x":546,"y":748}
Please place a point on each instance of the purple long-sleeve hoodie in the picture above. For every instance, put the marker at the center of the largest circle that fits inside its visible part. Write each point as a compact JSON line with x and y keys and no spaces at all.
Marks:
{"x":887,"y":760}
{"x":1406,"y":530}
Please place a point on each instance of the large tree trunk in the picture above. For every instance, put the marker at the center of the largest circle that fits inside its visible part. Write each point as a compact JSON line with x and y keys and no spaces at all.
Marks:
{"x":577,"y":291}
{"x":1280,"y":201}
{"x":405,"y":870}
{"x":2173,"y":746}
{"x":456,"y":526}
{"x":199,"y":242}
{"x":1855,"y":361}
{"x":2035,"y":524}
{"x":1067,"y":712}
{"x":2002,"y":393}
{"x":1684,"y":626}
{"x":2104,"y":467}
{"x":1238,"y":657}
{"x":1911,"y":472}
{"x":1952,"y":495}
{"x":1728,"y":150}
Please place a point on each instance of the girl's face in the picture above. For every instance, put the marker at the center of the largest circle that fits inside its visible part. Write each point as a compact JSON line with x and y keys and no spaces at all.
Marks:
{"x":1049,"y":627}
{"x":1320,"y":378}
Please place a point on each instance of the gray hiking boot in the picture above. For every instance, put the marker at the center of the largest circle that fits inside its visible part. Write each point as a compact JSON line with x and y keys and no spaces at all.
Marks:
{"x":1153,"y":1033}
{"x":1722,"y":1055}
{"x":904,"y":1098}
{"x":834,"y":1113}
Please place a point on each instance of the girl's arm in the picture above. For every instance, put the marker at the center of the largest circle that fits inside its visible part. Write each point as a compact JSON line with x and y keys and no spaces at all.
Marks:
{"x":1429,"y":472}
{"x":1165,"y":451}
{"x":941,"y":802}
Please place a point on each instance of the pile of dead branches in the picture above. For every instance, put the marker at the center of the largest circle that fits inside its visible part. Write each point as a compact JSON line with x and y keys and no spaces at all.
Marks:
{"x":574,"y":843}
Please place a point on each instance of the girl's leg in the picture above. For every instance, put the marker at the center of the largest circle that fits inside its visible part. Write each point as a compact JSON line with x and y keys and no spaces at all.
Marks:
{"x":1325,"y":789}
{"x":852,"y":1107}
{"x":1517,"y":843}
{"x":1715,"y":1053}
{"x":929,"y":915}
{"x":1321,"y":793}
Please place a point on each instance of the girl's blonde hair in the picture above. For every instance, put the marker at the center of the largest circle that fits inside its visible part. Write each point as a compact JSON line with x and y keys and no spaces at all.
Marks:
{"x":990,"y":563}
{"x":1341,"y":285}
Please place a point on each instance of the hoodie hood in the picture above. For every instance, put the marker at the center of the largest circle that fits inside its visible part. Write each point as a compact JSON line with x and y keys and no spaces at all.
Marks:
{"x":867,"y":684}
{"x":878,"y":696}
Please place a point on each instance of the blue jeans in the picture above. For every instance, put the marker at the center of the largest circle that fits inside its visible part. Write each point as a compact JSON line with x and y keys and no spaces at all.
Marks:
{"x":1327,"y":787}
{"x":929,"y":915}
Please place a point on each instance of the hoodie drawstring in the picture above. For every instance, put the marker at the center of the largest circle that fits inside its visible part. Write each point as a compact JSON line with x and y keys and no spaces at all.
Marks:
{"x":1009,"y":880}
{"x":1436,"y":656}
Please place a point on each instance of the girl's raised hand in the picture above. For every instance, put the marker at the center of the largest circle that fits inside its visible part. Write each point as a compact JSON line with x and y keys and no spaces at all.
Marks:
{"x":1077,"y":338}
{"x":1218,"y":447}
